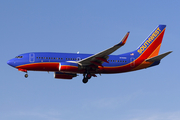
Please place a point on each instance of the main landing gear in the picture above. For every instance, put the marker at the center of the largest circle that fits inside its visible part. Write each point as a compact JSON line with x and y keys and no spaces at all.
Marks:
{"x":87,"y":76}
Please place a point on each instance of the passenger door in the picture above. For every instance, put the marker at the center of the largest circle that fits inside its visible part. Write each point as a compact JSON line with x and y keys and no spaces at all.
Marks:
{"x":31,"y":57}
{"x":132,"y":60}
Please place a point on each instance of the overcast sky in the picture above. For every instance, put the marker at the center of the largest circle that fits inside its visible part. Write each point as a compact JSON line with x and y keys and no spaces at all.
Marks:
{"x":88,"y":27}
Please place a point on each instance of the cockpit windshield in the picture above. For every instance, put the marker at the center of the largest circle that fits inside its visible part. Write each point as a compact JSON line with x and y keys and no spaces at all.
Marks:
{"x":18,"y":56}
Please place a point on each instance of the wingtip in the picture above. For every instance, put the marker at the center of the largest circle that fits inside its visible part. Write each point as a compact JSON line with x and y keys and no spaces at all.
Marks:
{"x":123,"y":41}
{"x":125,"y":38}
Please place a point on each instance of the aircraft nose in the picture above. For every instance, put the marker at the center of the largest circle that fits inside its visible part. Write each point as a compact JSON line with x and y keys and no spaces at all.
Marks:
{"x":10,"y":62}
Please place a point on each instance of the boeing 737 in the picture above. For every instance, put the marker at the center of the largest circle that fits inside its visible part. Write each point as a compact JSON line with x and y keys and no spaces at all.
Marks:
{"x":68,"y":65}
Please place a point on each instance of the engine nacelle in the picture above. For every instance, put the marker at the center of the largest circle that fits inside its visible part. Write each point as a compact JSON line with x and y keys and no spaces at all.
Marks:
{"x":60,"y":75}
{"x":68,"y":67}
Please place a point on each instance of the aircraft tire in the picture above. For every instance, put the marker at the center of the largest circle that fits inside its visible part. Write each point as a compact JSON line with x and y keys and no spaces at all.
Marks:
{"x":26,"y":75}
{"x":88,"y":76}
{"x":85,"y":80}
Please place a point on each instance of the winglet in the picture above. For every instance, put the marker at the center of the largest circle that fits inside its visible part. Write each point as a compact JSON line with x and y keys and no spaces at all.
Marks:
{"x":123,"y":41}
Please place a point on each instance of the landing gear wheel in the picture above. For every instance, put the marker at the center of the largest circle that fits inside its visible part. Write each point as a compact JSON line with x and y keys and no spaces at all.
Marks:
{"x":88,"y":76}
{"x":26,"y":75}
{"x":85,"y":80}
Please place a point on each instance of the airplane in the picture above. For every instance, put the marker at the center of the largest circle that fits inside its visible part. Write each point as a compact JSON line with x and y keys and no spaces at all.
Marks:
{"x":69,"y":65}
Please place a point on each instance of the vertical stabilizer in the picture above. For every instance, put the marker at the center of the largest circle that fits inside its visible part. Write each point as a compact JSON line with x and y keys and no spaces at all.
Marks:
{"x":151,"y":45}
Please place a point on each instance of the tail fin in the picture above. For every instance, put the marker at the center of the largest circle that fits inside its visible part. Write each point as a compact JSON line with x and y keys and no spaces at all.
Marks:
{"x":151,"y":45}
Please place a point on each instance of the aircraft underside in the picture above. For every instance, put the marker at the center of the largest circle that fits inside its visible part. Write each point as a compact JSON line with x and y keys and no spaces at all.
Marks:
{"x":68,"y":72}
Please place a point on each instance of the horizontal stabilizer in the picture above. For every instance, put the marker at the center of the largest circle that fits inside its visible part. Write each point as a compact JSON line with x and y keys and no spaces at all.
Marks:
{"x":158,"y":58}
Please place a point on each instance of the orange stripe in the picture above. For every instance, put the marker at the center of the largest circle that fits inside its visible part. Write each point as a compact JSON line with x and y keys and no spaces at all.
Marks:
{"x":44,"y":66}
{"x":155,"y":52}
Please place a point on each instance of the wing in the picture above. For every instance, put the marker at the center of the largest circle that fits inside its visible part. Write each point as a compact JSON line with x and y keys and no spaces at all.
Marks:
{"x":99,"y":58}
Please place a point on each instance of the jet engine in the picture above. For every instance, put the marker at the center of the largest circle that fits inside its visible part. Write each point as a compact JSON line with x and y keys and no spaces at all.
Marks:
{"x":60,"y":75}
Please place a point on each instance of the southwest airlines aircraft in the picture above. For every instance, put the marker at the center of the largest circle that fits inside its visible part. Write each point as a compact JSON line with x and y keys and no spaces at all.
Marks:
{"x":68,"y":65}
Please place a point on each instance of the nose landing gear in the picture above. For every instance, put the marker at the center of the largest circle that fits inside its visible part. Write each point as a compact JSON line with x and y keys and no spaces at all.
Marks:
{"x":24,"y":70}
{"x":26,"y":75}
